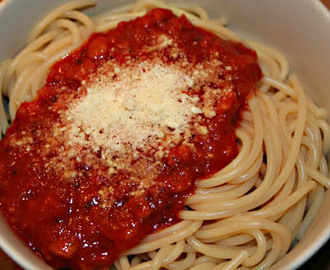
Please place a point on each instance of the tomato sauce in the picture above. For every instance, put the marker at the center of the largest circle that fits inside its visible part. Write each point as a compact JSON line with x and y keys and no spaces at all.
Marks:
{"x":61,"y":220}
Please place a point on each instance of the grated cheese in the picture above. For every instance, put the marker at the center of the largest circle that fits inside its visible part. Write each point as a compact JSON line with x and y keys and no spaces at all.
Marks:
{"x":137,"y":106}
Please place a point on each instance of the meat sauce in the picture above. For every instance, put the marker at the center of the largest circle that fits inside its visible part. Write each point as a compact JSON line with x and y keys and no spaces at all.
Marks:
{"x":62,"y":221}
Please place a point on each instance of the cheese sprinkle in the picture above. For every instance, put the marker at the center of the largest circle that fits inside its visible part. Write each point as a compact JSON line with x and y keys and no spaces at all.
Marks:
{"x":137,"y":107}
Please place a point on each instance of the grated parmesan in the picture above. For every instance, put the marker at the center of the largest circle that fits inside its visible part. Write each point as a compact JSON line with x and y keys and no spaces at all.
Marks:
{"x":136,"y":108}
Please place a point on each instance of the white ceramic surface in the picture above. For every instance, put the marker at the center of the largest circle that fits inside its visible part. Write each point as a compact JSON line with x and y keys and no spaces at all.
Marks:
{"x":299,"y":28}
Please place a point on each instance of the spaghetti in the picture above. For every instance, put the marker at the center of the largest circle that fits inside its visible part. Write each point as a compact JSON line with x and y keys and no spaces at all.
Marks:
{"x":249,"y":213}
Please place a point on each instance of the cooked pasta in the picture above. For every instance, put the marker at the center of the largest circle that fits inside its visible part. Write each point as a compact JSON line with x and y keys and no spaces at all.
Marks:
{"x":250,"y":213}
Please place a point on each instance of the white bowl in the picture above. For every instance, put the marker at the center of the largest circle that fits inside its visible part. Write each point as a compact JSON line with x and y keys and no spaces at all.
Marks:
{"x":299,"y":28}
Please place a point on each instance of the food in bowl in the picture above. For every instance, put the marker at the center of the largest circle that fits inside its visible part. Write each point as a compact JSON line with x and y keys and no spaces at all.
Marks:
{"x":106,"y":154}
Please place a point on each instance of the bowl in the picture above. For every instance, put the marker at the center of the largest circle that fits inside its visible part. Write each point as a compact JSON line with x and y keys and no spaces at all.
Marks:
{"x":300,"y":29}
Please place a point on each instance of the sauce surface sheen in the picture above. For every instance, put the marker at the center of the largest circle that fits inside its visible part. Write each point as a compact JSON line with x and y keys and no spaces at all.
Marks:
{"x":81,"y":206}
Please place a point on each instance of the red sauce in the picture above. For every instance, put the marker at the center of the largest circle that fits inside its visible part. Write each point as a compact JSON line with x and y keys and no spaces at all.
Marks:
{"x":61,"y":220}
